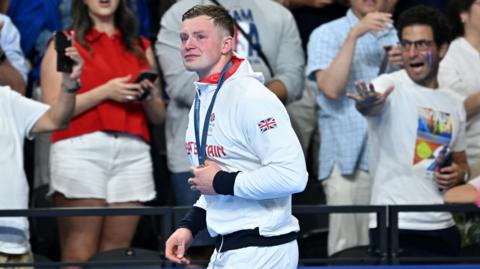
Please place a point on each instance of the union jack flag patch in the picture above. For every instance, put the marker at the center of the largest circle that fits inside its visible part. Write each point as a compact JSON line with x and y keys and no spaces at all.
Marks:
{"x":267,"y":124}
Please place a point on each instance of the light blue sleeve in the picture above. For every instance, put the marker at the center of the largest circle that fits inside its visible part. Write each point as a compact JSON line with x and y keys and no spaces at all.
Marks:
{"x":323,"y":46}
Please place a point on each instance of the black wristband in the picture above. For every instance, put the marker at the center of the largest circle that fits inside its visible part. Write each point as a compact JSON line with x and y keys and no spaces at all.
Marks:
{"x":195,"y":220}
{"x":71,"y":88}
{"x":224,"y":182}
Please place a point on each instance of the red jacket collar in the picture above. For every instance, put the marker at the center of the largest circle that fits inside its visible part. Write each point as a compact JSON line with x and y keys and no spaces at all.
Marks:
{"x":213,"y":79}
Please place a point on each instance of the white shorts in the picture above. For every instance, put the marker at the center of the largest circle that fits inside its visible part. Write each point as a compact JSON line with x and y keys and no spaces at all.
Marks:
{"x":111,"y":166}
{"x":283,"y":256}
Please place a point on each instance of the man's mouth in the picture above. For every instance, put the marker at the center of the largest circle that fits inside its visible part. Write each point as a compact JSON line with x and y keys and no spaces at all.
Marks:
{"x":416,"y":65}
{"x":190,"y":56}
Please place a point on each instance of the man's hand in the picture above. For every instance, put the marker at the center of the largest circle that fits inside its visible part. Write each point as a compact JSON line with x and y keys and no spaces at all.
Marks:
{"x":177,"y":244}
{"x":372,"y":22}
{"x":368,"y":100}
{"x":395,"y":56}
{"x":70,"y":79}
{"x":202,"y":179}
{"x":449,"y":176}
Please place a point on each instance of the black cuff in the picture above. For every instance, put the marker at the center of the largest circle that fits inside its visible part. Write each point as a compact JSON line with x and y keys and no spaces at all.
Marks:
{"x":223,"y":182}
{"x":195,"y":220}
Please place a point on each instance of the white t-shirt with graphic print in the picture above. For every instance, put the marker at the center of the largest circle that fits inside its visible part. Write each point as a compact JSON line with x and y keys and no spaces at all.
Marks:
{"x":415,"y":127}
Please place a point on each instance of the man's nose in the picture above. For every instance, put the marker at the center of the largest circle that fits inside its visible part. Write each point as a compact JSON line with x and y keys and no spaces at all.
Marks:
{"x":412,"y":50}
{"x":188,"y":44}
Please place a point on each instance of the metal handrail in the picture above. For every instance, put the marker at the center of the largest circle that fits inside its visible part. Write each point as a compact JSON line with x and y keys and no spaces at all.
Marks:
{"x":385,"y":214}
{"x":394,"y":211}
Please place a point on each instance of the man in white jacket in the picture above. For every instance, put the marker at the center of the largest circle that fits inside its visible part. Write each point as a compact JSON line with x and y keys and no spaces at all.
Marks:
{"x":247,"y":160}
{"x":272,"y":29}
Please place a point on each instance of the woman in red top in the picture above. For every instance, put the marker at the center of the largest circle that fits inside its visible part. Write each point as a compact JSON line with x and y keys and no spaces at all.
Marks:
{"x":103,"y":158}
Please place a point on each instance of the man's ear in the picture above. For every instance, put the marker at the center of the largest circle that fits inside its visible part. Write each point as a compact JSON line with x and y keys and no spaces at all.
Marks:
{"x":463,"y":16}
{"x":227,"y":44}
{"x":442,"y":50}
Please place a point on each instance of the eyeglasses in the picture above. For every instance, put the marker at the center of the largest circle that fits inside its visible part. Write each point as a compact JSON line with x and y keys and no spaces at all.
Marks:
{"x":421,"y":45}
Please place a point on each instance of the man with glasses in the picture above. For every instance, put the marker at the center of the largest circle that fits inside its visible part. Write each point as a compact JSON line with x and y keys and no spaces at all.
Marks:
{"x":416,"y":137}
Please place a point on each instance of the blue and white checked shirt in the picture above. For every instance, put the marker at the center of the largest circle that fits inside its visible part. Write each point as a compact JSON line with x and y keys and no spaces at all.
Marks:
{"x":343,"y":133}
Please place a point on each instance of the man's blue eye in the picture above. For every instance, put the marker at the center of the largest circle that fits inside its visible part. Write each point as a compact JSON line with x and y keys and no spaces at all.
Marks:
{"x":183,"y":38}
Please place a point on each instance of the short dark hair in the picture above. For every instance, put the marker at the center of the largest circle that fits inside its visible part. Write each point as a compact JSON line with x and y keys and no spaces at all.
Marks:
{"x":454,"y":8}
{"x":220,"y":16}
{"x":423,"y":15}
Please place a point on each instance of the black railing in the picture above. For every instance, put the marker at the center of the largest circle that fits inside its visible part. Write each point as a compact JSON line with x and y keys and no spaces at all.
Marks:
{"x":381,"y":213}
{"x":393,"y":212}
{"x":385,"y":214}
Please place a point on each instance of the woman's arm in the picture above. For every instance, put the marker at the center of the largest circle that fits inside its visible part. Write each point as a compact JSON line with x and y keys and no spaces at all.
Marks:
{"x":463,"y":194}
{"x":154,"y":106}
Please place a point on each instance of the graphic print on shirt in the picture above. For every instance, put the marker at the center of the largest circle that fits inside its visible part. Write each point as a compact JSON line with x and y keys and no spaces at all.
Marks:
{"x":244,"y":18}
{"x":434,"y":134}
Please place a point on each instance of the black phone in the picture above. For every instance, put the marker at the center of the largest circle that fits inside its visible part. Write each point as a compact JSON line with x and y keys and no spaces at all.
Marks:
{"x":447,"y":160}
{"x":64,"y":63}
{"x":149,"y":75}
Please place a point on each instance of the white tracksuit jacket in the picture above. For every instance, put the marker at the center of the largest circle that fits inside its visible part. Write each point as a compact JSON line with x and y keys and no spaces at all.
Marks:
{"x":268,"y":156}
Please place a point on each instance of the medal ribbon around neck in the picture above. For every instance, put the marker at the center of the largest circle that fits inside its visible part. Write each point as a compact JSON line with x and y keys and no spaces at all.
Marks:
{"x":202,"y":145}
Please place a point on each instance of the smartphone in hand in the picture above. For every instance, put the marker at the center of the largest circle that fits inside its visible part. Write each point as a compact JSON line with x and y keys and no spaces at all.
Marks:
{"x":149,"y":75}
{"x":62,"y":41}
{"x":443,"y":159}
{"x":446,"y":161}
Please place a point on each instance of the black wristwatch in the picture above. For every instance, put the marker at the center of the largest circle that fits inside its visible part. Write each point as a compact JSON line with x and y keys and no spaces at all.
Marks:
{"x":72,"y":88}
